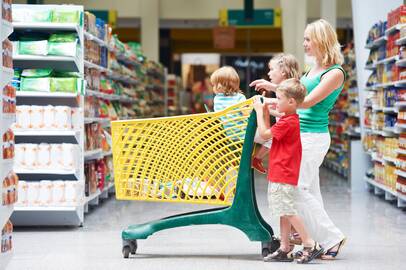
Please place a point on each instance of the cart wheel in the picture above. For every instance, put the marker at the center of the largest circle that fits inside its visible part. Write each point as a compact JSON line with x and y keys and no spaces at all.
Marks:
{"x":133,"y":245}
{"x":275,"y":244}
{"x":126,"y":252}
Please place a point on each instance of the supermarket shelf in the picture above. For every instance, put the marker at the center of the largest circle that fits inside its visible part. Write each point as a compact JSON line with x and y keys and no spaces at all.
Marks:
{"x":400,"y":126}
{"x":391,"y":130}
{"x":390,"y":109}
{"x":95,"y":66}
{"x":402,"y":152}
{"x":48,"y":215}
{"x":381,"y":186}
{"x":39,"y":132}
{"x":92,"y":37}
{"x":375,"y":157}
{"x":400,"y":83}
{"x":371,"y":88}
{"x":388,"y":60}
{"x":394,"y":28}
{"x":389,"y":194}
{"x":127,"y":61}
{"x":384,"y":85}
{"x":371,"y":66}
{"x":401,"y":62}
{"x":6,"y":29}
{"x":89,"y":120}
{"x":47,"y":61}
{"x":6,"y":76}
{"x":108,"y":153}
{"x":356,"y":114}
{"x":390,"y":159}
{"x":377,"y":108}
{"x":93,"y":154}
{"x":40,"y":174}
{"x":94,"y":198}
{"x":336,"y":167}
{"x":5,"y":258}
{"x":98,"y":94}
{"x":46,"y":94}
{"x":5,"y":213}
{"x":376,"y":43}
{"x":400,"y":104}
{"x":401,"y":41}
{"x":400,"y":173}
{"x":47,"y":26}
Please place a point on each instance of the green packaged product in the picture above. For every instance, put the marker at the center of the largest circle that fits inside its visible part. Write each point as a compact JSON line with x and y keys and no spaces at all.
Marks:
{"x":64,"y":44}
{"x":67,"y":85}
{"x":59,"y":16}
{"x":35,"y":84}
{"x":64,"y":74}
{"x":36,"y":73}
{"x":39,"y":47}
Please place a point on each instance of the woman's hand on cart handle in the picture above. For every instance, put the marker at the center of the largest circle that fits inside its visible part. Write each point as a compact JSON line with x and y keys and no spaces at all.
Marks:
{"x":262,"y":84}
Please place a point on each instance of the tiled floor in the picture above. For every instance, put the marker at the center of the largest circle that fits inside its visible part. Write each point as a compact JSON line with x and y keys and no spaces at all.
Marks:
{"x":375,"y":229}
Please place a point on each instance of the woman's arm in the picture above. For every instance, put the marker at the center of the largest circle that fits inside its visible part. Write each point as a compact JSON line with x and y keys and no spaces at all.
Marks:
{"x":329,"y":82}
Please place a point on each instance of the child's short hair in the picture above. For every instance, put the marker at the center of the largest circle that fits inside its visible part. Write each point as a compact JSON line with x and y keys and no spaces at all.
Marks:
{"x":227,"y":80}
{"x":287,"y":63}
{"x":293,"y":88}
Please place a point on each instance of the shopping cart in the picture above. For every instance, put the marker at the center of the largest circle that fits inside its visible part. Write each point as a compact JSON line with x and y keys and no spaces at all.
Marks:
{"x":201,"y":158}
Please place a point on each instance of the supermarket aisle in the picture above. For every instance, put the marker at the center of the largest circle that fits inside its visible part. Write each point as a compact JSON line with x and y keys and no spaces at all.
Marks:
{"x":376,"y":232}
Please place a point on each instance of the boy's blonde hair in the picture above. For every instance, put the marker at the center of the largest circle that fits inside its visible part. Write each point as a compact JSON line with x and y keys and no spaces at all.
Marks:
{"x":226,"y":80}
{"x":322,"y":34}
{"x":293,"y":88}
{"x":287,"y":63}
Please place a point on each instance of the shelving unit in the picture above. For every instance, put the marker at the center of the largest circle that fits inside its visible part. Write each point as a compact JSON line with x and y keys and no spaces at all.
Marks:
{"x":7,"y":118}
{"x":383,"y":142}
{"x":344,"y":122}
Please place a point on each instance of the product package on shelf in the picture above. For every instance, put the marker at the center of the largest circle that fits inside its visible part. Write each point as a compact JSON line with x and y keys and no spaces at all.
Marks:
{"x":50,"y":193}
{"x":6,"y":237}
{"x":10,"y":189}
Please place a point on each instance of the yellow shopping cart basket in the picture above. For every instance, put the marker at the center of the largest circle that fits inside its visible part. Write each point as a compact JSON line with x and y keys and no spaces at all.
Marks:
{"x":201,"y":158}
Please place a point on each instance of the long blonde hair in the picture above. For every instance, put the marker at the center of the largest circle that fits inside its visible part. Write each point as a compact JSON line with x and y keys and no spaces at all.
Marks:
{"x":286,"y":63}
{"x":324,"y":37}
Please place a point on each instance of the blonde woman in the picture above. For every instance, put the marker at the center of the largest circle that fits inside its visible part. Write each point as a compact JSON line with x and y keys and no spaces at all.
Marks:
{"x":324,"y":82}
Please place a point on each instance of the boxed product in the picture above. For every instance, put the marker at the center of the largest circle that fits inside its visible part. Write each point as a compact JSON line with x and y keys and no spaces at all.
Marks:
{"x":27,"y":15}
{"x":8,"y":144}
{"x":64,"y":16}
{"x":10,"y":187}
{"x":6,"y":10}
{"x":63,"y":44}
{"x":7,"y":54}
{"x":67,"y":85}
{"x":33,"y":47}
{"x":6,"y":239}
{"x":36,"y":80}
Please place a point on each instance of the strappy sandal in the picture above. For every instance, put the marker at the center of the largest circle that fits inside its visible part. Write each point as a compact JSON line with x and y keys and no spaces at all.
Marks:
{"x":295,"y":239}
{"x":279,"y":256}
{"x":331,"y":255}
{"x":310,"y":253}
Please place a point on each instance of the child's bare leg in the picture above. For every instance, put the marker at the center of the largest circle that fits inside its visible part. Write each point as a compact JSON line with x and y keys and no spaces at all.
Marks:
{"x":298,"y":225}
{"x":285,"y":231}
{"x":261,"y":153}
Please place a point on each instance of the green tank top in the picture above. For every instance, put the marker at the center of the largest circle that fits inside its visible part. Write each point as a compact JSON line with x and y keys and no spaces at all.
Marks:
{"x":315,"y":119}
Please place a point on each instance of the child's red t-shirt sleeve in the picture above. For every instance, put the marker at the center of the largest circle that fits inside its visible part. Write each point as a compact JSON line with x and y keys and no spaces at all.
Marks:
{"x":279,"y":129}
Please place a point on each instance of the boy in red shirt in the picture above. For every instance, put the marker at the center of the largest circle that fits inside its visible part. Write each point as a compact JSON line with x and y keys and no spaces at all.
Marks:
{"x":284,"y":165}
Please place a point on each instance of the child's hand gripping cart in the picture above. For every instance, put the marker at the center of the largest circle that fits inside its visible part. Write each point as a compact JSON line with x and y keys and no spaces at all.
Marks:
{"x":202,"y":158}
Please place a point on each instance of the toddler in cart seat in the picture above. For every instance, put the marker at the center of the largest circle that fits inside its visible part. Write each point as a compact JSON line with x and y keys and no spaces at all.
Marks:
{"x":226,"y":87}
{"x":284,"y":165}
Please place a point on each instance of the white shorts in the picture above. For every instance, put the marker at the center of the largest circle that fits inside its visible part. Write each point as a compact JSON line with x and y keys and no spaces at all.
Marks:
{"x":281,"y":199}
{"x":258,"y":139}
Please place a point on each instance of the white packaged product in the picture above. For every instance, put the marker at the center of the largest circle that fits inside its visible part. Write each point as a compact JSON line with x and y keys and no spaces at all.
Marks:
{"x":30,"y":155}
{"x":44,"y":156}
{"x":33,"y":193}
{"x":19,"y":156}
{"x":45,"y":193}
{"x":58,"y":192}
{"x":36,"y":117}
{"x":49,"y":117}
{"x":63,"y":117}
{"x":70,"y":156}
{"x":23,"y":117}
{"x":22,"y":193}
{"x":56,"y":156}
{"x":71,"y":192}
{"x":77,"y":122}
